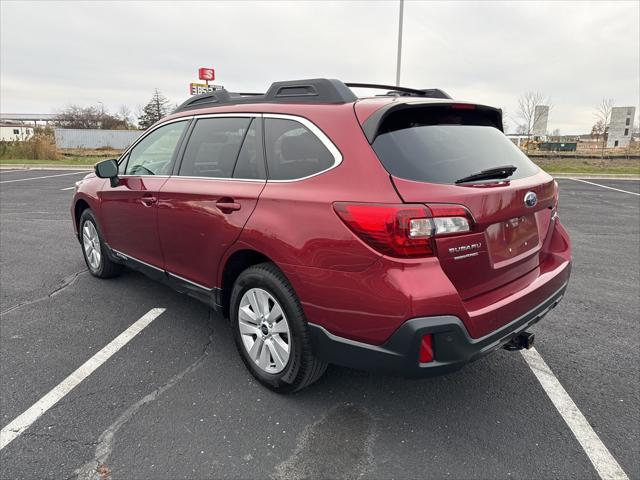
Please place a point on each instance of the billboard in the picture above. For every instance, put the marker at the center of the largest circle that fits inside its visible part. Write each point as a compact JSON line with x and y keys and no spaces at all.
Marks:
{"x":540,"y":119}
{"x":198,"y":88}
{"x":207,"y":74}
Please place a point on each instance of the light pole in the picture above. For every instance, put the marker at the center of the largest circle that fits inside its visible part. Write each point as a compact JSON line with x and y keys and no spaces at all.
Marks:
{"x":399,"y":60}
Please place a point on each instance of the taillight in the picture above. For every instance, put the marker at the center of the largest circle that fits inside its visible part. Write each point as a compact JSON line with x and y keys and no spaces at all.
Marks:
{"x":404,"y":230}
{"x":396,"y":230}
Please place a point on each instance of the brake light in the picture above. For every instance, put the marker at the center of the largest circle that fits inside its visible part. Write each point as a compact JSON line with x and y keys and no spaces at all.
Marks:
{"x":463,"y":106}
{"x":404,"y":230}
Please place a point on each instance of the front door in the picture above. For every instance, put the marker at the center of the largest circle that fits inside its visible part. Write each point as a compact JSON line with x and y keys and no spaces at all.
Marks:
{"x":129,"y":211}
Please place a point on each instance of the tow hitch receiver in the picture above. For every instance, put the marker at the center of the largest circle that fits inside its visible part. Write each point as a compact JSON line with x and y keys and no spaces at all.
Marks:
{"x":522,"y":340}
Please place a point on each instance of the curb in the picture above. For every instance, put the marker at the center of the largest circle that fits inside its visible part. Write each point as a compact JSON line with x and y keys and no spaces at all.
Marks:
{"x":22,"y":166}
{"x":596,"y":176}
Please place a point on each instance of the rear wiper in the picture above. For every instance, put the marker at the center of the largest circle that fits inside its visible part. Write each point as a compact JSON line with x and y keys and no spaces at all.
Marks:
{"x":497,"y":172}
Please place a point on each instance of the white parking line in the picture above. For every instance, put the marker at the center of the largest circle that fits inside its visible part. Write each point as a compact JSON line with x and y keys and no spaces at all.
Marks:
{"x":38,"y":178}
{"x":14,"y":429}
{"x":10,"y":171}
{"x":68,"y":188}
{"x":606,"y":466}
{"x":604,"y":186}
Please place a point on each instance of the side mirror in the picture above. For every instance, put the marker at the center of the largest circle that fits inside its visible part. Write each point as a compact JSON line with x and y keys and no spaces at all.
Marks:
{"x":108,"y":169}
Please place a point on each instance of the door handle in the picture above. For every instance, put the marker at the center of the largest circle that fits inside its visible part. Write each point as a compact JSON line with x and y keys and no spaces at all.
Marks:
{"x":227,"y":205}
{"x":148,"y":200}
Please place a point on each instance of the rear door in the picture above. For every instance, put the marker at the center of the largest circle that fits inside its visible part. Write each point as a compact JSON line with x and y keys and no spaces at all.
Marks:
{"x":426,"y":150}
{"x":203,"y":207}
{"x":129,"y":210}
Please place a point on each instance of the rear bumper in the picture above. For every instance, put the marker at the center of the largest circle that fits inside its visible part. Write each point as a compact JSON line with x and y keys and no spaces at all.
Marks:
{"x":453,"y":347}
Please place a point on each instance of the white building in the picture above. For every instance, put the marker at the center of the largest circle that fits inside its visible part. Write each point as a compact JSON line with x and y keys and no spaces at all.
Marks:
{"x":38,"y":119}
{"x":95,"y":138}
{"x":517,"y":139}
{"x":540,"y":120}
{"x":620,"y":127}
{"x":10,"y":132}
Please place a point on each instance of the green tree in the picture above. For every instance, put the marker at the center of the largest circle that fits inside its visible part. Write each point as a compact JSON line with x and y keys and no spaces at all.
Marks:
{"x":153,"y":111}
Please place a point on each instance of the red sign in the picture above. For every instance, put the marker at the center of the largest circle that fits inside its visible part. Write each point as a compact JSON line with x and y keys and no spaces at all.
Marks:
{"x":208,"y":74}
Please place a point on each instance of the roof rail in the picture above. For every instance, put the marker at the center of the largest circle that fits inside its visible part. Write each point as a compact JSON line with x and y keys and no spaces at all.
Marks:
{"x":314,"y":90}
{"x":403,"y":91}
{"x":208,"y":99}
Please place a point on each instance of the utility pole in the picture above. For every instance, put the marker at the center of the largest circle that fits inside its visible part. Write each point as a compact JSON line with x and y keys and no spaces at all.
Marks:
{"x":399,"y":60}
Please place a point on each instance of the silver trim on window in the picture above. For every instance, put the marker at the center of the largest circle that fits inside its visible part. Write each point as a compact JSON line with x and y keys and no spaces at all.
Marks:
{"x":312,"y":127}
{"x":230,"y":179}
{"x":239,"y":114}
{"x":145,"y":176}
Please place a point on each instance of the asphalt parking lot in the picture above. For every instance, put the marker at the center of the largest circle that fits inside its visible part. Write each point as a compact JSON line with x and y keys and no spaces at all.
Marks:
{"x":177,"y":402}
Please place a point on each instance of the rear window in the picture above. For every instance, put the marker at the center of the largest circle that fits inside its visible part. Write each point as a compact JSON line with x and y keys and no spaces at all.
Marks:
{"x":442,"y":145}
{"x":293,"y":151}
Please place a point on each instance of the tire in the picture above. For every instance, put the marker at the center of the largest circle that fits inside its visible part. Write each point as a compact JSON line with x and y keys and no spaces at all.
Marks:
{"x":94,"y":250}
{"x":271,"y":288}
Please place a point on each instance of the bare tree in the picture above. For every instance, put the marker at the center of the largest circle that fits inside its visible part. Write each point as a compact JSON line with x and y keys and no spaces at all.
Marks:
{"x":527,"y":104}
{"x":603,"y":116}
{"x":597,"y":130}
{"x":505,"y":121}
{"x":74,"y":116}
{"x":124,"y":114}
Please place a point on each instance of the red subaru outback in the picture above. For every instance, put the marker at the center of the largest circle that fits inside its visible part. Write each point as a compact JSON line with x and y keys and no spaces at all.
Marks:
{"x":401,"y":233}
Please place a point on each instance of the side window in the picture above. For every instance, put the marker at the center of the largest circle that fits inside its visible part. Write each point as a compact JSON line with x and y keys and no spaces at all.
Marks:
{"x":293,"y":151}
{"x":152,"y":156}
{"x":213,"y":147}
{"x":250,"y":164}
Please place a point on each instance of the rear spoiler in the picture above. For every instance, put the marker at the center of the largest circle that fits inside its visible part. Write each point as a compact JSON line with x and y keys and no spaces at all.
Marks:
{"x":371,"y":125}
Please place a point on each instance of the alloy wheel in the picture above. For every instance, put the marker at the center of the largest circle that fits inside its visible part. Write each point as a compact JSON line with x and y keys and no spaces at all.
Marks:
{"x":91,"y":244}
{"x":264,"y":330}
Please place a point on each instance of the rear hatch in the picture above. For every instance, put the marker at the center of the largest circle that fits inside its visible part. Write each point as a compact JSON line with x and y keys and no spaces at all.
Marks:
{"x":427,"y":149}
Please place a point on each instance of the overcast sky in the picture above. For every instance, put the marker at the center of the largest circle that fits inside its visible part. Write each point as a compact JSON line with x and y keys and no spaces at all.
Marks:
{"x":54,"y":54}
